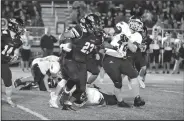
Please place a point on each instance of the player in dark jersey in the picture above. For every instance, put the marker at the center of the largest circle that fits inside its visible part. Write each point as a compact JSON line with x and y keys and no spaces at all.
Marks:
{"x":140,"y":58}
{"x":10,"y":42}
{"x":83,"y":40}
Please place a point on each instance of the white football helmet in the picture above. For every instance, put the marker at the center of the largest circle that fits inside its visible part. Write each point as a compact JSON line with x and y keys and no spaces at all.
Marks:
{"x":135,"y":24}
{"x":54,"y":68}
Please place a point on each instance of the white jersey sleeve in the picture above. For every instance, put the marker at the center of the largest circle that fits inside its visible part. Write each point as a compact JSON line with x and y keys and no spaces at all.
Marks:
{"x":136,"y":37}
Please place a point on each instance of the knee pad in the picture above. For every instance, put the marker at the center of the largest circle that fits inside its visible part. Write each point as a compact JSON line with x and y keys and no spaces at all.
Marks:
{"x":118,"y":85}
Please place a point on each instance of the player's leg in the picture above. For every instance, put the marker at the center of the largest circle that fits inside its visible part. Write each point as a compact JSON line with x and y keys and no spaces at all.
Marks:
{"x":157,"y":53}
{"x":177,"y":64}
{"x":165,"y":62}
{"x":111,"y":66}
{"x":6,"y":75}
{"x":92,"y":67}
{"x":133,"y":74}
{"x":80,"y":93}
{"x":68,"y":71}
{"x":169,"y":55}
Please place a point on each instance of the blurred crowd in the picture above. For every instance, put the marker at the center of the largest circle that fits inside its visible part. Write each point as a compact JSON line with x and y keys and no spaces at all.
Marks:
{"x":170,"y":14}
{"x":29,"y":11}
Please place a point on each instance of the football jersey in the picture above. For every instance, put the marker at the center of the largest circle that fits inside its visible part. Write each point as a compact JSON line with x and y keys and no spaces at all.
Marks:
{"x":177,"y":44}
{"x":155,"y":45}
{"x":83,"y":44}
{"x":145,"y":44}
{"x":167,"y":43}
{"x":51,"y":58}
{"x":120,"y":40}
{"x":93,"y":95}
{"x":8,"y":45}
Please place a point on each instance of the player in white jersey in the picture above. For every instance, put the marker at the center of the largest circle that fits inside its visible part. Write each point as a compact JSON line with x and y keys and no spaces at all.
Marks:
{"x":168,"y":47}
{"x":95,"y":96}
{"x":115,"y":62}
{"x":42,"y":69}
{"x":179,"y":52}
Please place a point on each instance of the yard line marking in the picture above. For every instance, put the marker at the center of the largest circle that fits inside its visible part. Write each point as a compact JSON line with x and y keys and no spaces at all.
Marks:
{"x":171,"y":91}
{"x":32,"y":112}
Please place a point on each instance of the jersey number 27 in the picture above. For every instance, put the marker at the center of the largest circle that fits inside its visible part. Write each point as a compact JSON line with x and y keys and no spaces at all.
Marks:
{"x":87,"y":48}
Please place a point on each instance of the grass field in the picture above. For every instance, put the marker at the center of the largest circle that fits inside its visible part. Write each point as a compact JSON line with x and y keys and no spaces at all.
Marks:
{"x":164,"y":96}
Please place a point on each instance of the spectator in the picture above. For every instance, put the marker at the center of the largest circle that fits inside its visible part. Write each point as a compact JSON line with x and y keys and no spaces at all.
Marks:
{"x":122,"y":9}
{"x":26,"y":50}
{"x":167,"y":45}
{"x":155,"y":49}
{"x":108,"y":21}
{"x":120,"y":17}
{"x":47,"y":43}
{"x":7,"y":13}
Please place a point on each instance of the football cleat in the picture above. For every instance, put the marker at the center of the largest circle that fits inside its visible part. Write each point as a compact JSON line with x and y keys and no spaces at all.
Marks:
{"x":68,"y":106}
{"x":138,"y":101}
{"x":123,"y":104}
{"x":53,"y":100}
{"x":53,"y":104}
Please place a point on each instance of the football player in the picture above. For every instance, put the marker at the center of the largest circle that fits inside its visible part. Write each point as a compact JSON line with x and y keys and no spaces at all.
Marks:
{"x":95,"y":96}
{"x":42,"y":69}
{"x":116,"y":63}
{"x":10,"y":44}
{"x":83,"y":41}
{"x":179,"y":50}
{"x":141,"y":65}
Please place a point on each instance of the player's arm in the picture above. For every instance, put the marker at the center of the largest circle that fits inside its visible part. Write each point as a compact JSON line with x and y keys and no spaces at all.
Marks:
{"x":45,"y":79}
{"x":134,"y":42}
{"x":73,"y":32}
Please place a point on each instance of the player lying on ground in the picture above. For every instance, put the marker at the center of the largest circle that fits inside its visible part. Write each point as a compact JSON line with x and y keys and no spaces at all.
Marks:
{"x":95,"y":96}
{"x":10,"y":44}
{"x":116,"y":63}
{"x":42,"y":69}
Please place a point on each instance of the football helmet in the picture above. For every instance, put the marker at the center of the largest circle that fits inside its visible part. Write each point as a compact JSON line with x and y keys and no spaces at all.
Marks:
{"x":92,"y":22}
{"x":16,"y":25}
{"x":136,"y":24}
{"x":54,"y":68}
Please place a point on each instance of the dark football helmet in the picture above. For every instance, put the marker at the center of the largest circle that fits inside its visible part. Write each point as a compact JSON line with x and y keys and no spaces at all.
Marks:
{"x":16,"y":25}
{"x":92,"y":22}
